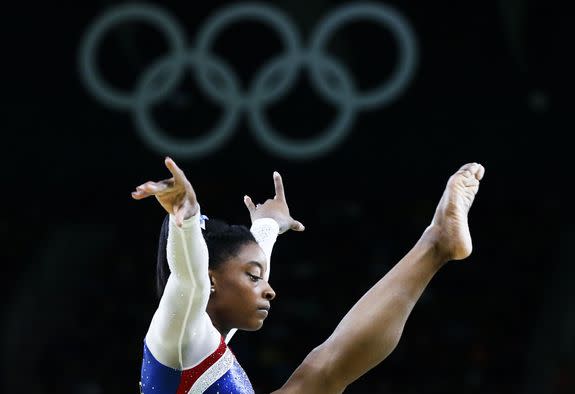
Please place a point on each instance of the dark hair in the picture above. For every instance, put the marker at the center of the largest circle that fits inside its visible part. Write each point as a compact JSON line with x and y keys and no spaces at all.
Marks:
{"x":223,"y":241}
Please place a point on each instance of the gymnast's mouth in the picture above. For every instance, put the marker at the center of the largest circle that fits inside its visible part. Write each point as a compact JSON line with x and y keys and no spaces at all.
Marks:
{"x":264,"y":310}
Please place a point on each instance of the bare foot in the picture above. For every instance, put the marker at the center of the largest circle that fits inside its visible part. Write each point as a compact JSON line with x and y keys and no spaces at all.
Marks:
{"x":449,"y":223}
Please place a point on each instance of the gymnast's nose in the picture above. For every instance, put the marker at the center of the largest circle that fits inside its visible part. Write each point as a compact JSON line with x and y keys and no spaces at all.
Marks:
{"x":269,"y":293}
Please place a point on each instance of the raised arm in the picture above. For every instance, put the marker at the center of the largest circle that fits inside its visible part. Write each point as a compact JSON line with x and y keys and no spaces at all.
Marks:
{"x":181,"y":333}
{"x":268,"y":220}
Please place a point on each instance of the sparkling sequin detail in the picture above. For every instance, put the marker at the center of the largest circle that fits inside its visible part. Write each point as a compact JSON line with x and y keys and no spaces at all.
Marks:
{"x":190,"y":376}
{"x":235,"y":381}
{"x":213,"y":373}
{"x":265,"y":229}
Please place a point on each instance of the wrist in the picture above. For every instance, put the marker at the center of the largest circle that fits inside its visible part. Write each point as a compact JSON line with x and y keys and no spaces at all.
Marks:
{"x":191,"y":210}
{"x":266,"y":225}
{"x":266,"y":222}
{"x":190,"y":218}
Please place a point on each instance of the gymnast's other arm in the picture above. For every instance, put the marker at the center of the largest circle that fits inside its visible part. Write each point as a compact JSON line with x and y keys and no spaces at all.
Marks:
{"x":268,"y":220}
{"x":181,"y":333}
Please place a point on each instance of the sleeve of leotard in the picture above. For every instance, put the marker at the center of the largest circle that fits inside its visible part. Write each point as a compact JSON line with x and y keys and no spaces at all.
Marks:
{"x":181,"y":333}
{"x":265,"y":231}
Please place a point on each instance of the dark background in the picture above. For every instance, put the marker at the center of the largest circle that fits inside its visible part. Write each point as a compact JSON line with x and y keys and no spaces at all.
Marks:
{"x":79,"y":254}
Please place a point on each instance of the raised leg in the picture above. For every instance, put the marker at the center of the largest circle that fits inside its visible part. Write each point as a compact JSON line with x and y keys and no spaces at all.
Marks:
{"x":372,"y":328}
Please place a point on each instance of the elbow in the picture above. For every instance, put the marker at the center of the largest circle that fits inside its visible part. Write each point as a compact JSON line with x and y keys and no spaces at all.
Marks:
{"x":190,"y":286}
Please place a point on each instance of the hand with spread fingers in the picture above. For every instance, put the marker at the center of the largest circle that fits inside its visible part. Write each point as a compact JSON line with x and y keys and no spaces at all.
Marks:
{"x":275,"y":208}
{"x":175,"y":194}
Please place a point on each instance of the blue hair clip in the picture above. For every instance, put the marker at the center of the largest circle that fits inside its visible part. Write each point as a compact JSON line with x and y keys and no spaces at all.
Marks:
{"x":203,"y":219}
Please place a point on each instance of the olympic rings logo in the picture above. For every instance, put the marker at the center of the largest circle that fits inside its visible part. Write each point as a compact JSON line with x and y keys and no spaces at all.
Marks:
{"x":265,"y":88}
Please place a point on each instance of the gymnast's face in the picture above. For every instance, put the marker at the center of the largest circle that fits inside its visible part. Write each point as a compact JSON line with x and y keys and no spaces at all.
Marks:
{"x":241,"y":297}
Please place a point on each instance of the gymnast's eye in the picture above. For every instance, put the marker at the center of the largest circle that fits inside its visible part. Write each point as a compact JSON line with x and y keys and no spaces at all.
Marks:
{"x":254,"y":278}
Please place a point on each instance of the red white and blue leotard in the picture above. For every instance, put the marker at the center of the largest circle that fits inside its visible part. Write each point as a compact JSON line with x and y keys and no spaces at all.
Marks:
{"x":183,"y":352}
{"x":219,"y":373}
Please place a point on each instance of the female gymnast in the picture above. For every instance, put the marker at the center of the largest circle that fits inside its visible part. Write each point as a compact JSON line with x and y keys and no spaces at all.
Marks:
{"x":185,"y":348}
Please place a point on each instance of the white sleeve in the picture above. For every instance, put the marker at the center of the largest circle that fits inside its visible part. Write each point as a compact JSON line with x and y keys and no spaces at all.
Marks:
{"x":181,"y":333}
{"x":265,"y":231}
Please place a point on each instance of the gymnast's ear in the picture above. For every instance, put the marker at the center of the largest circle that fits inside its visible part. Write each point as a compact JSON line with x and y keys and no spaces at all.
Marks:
{"x":212,"y":281}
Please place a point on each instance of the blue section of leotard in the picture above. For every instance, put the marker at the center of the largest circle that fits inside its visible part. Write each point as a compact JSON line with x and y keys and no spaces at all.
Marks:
{"x":157,"y":378}
{"x":235,"y":381}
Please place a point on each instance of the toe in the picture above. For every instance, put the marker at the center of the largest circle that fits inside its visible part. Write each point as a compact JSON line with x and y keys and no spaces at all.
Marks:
{"x":480,"y":172}
{"x":472,"y":170}
{"x":467,"y":166}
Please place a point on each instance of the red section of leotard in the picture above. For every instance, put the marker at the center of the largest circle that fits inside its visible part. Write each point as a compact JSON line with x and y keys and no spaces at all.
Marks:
{"x":189,"y":376}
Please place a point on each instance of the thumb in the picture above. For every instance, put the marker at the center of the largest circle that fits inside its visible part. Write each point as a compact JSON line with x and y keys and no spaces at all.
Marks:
{"x":249,"y":204}
{"x":297,"y":226}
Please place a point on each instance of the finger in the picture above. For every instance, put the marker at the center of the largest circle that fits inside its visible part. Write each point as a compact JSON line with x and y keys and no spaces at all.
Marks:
{"x":279,"y":186}
{"x":249,"y":204}
{"x":179,"y":176}
{"x":156,"y":187}
{"x":147,"y":189}
{"x":297,"y":226}
{"x":139,"y":195}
